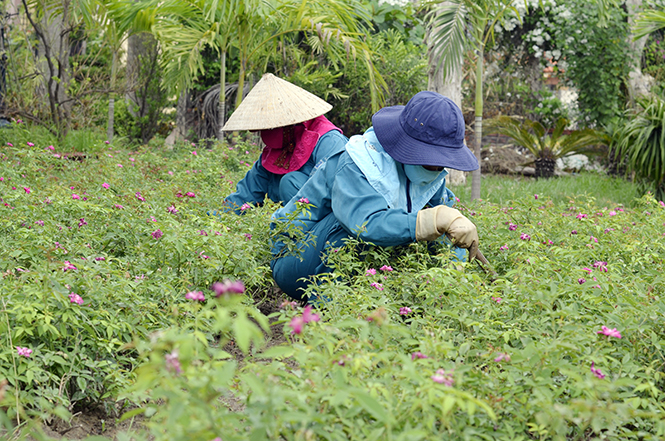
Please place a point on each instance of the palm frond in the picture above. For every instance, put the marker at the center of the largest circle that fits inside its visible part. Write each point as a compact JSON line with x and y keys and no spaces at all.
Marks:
{"x":648,"y":22}
{"x":448,"y":35}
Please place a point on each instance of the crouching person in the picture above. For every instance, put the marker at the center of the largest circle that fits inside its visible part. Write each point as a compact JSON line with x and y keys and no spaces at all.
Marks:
{"x":387,"y":188}
{"x":296,"y":136}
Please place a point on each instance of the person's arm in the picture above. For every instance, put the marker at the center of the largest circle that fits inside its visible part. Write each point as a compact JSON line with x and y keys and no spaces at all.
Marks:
{"x":364,"y":213}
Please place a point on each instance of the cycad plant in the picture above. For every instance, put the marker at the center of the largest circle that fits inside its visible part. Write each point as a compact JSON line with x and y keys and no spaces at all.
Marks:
{"x":545,"y":146}
{"x":642,"y":141}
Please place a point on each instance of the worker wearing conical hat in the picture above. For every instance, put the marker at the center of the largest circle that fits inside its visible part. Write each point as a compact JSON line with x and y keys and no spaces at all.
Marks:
{"x":296,"y":136}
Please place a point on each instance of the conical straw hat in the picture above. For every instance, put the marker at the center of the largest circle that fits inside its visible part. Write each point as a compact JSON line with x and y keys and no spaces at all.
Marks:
{"x":274,"y":102}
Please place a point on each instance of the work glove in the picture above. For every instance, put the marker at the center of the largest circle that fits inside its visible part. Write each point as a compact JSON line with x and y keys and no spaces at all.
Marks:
{"x":433,"y":222}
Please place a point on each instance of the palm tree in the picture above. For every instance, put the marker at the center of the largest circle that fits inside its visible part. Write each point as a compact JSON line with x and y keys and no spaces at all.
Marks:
{"x":458,"y":27}
{"x":547,"y":147}
{"x":185,"y":27}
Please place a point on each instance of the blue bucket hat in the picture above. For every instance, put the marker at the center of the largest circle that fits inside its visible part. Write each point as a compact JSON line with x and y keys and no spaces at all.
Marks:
{"x":429,"y":130}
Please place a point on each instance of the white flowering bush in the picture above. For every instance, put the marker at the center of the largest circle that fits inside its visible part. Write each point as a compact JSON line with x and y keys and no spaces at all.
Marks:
{"x":131,"y":294}
{"x":588,"y":53}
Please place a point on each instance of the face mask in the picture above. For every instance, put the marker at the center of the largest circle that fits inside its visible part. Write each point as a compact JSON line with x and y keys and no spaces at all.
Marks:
{"x":419,"y":175}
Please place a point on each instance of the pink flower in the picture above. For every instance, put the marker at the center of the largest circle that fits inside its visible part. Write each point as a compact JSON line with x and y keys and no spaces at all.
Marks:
{"x":609,"y":332}
{"x":502,"y":357}
{"x":75,"y":298}
{"x":172,"y":209}
{"x":10,"y":144}
{"x":503,"y":247}
{"x":288,"y":304}
{"x":405,"y":310}
{"x":594,"y":239}
{"x":82,"y":222}
{"x":581,"y":280}
{"x":303,"y":200}
{"x":30,"y":144}
{"x":50,"y":147}
{"x":596,"y":372}
{"x":99,"y":259}
{"x":157,"y":233}
{"x":582,"y":216}
{"x":227,"y":286}
{"x":248,"y":236}
{"x":202,"y":233}
{"x":68,"y":266}
{"x":139,"y":197}
{"x":152,"y":219}
{"x":662,"y":204}
{"x":370,"y":272}
{"x":602,"y":266}
{"x":195,"y":295}
{"x":107,"y":142}
{"x":573,"y":232}
{"x":190,"y":194}
{"x":25,"y":352}
{"x":308,"y":316}
{"x":377,"y":286}
{"x":75,"y":196}
{"x":443,"y":377}
{"x":118,"y":206}
{"x":525,"y":236}
{"x":105,"y":185}
{"x":386,"y":268}
{"x":497,"y":299}
{"x":612,"y":213}
{"x":194,"y":152}
{"x":245,"y":206}
{"x":203,"y":256}
{"x":512,"y":226}
{"x":172,"y":362}
{"x":120,"y":165}
{"x":535,"y":196}
{"x":27,"y":190}
{"x":418,"y":355}
{"x":40,"y":223}
{"x":296,"y":324}
{"x":589,"y":270}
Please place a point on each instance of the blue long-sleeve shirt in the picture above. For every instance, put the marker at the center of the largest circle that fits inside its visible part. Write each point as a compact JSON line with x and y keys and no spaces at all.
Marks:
{"x":259,"y":182}
{"x":338,"y":186}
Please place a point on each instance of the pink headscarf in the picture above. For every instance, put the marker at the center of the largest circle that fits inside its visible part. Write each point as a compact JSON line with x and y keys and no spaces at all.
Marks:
{"x":288,"y":150}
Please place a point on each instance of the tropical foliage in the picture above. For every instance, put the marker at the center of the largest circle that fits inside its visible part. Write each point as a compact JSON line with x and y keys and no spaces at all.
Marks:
{"x":547,"y":146}
{"x":641,"y":140}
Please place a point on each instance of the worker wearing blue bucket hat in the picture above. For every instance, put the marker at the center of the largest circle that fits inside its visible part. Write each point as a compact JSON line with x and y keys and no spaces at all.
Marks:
{"x":387,"y":188}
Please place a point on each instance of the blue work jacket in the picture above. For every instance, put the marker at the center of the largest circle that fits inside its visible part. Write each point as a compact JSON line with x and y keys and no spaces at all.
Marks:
{"x":339,"y":186}
{"x":259,"y":182}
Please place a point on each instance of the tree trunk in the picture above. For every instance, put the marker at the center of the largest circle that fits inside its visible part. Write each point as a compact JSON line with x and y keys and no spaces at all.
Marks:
{"x":478,"y":126}
{"x":639,"y":84}
{"x":450,"y":87}
{"x":109,"y":126}
{"x":222,"y":97}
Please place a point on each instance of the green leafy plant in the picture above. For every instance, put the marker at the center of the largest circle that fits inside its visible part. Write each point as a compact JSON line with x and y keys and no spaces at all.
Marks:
{"x":642,"y":140}
{"x":545,"y":146}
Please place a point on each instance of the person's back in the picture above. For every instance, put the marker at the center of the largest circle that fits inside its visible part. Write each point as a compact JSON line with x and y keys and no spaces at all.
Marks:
{"x":387,"y":188}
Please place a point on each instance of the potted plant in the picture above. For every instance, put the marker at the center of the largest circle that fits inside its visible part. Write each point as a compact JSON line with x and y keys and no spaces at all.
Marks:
{"x":547,"y":145}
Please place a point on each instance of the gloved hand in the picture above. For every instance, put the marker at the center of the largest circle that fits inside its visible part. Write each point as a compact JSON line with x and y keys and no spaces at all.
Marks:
{"x":433,"y":222}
